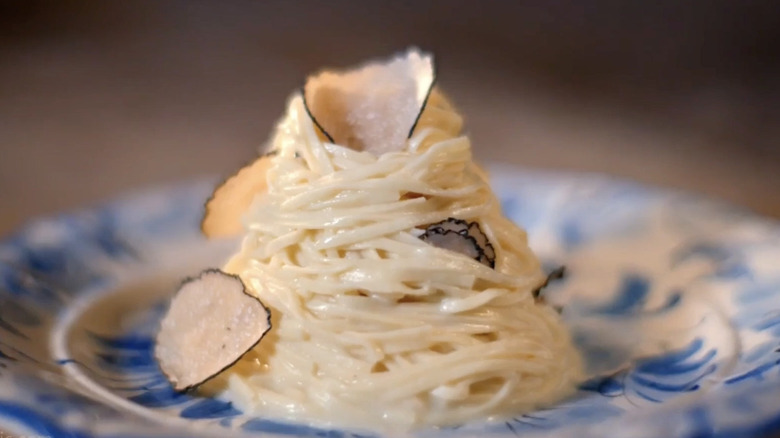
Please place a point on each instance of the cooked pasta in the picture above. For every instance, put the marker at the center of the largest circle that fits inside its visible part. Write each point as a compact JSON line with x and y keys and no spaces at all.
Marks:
{"x":371,"y":324}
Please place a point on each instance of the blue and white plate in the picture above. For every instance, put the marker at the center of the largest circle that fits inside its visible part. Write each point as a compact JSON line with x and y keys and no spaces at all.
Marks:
{"x":673,"y":299}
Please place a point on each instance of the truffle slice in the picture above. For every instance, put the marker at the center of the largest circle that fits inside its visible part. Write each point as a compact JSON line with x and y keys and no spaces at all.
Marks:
{"x":464,"y":237}
{"x":211,"y":323}
{"x":555,"y":274}
{"x":372,"y":108}
{"x":232,"y":198}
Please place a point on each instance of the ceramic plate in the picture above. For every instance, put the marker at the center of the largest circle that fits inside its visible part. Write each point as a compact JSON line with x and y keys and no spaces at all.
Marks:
{"x":673,"y":300}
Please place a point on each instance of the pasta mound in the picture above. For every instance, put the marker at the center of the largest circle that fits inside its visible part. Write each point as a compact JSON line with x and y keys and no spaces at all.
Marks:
{"x":372,"y":325}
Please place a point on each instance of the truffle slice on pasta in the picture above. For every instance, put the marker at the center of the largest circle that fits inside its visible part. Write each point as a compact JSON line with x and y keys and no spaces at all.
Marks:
{"x":210,"y":324}
{"x":375,"y":107}
{"x":231,"y":199}
{"x":463,"y":237}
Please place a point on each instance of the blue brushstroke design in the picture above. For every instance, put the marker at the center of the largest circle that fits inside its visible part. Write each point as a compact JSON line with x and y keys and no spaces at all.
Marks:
{"x":137,"y":380}
{"x":129,"y":342}
{"x":511,"y":428}
{"x":648,"y":397}
{"x":609,"y":386}
{"x":120,"y":361}
{"x":129,"y":352}
{"x":209,"y":408}
{"x":672,"y":301}
{"x":160,"y":398}
{"x":674,"y":357}
{"x":771,"y":320}
{"x":298,"y":430}
{"x":676,"y":362}
{"x":21,"y":286}
{"x":677,"y":368}
{"x":658,"y":378}
{"x":45,"y":260}
{"x":630,"y":297}
{"x":755,"y":373}
{"x":690,"y":385}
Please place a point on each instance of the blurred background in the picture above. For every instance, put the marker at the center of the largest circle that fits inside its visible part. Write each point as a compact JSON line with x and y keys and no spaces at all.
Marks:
{"x":97,"y":98}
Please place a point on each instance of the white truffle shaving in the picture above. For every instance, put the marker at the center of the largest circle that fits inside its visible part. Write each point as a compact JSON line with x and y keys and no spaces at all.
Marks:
{"x":375,"y":107}
{"x":210,"y":324}
{"x":227,"y":204}
{"x":462,"y":237}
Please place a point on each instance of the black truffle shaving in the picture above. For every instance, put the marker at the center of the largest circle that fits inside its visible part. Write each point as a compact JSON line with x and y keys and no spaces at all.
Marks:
{"x":556,"y":274}
{"x":461,"y":236}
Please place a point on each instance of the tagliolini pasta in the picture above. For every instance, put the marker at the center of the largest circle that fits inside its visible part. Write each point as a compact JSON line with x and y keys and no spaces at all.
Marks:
{"x":371,"y":324}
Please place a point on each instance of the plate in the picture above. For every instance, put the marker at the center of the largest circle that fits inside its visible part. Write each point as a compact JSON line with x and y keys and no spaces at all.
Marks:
{"x":674,"y":301}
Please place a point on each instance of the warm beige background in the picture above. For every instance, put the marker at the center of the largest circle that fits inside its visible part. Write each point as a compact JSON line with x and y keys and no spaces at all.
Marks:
{"x":97,"y":98}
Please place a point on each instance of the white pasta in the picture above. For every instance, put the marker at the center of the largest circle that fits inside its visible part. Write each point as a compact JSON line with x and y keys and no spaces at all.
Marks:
{"x":372,"y":325}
